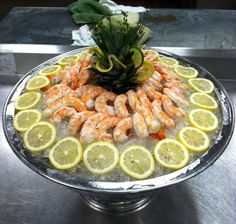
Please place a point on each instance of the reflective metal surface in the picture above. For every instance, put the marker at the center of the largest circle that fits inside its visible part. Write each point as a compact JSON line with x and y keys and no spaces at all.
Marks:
{"x":29,"y":56}
{"x":207,"y":198}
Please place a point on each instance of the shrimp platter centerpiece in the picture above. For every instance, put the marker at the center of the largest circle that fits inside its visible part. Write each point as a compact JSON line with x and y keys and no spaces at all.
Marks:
{"x":118,"y":111}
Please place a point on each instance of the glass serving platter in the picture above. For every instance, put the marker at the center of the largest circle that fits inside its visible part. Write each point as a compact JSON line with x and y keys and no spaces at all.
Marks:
{"x":120,"y":196}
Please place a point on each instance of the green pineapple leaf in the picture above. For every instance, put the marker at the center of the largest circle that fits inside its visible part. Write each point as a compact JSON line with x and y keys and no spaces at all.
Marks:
{"x":114,"y":67}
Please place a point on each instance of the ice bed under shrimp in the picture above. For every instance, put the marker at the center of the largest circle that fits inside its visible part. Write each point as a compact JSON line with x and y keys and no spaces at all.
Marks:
{"x":158,"y":108}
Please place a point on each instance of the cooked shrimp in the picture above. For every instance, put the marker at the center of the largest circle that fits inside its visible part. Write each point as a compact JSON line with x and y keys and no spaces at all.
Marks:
{"x":82,"y":90}
{"x":157,"y":76}
{"x":79,"y":75}
{"x":104,"y":126}
{"x":176,"y":95}
{"x":91,"y":94}
{"x":65,"y":101}
{"x":66,"y":76}
{"x":151,"y":55}
{"x":145,"y":102}
{"x":88,"y":131}
{"x":62,"y":113}
{"x":58,"y":91}
{"x":77,"y":120}
{"x":164,"y":118}
{"x":101,"y":103}
{"x":121,"y":131}
{"x":163,"y":70}
{"x":156,"y":84}
{"x":139,"y":125}
{"x":84,"y":76}
{"x":64,"y":73}
{"x":155,"y":80}
{"x":151,"y":92}
{"x":176,"y":83}
{"x":120,"y":107}
{"x":85,"y":63}
{"x":170,"y":109}
{"x":153,"y":125}
{"x":74,"y":77}
{"x":134,"y":102}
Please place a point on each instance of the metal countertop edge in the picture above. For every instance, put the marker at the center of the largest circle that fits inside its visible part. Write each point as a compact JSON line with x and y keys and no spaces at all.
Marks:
{"x":59,"y":49}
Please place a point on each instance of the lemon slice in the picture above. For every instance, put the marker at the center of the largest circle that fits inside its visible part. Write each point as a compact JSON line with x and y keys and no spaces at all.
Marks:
{"x":103,"y":69}
{"x":204,"y":101}
{"x":51,"y":70}
{"x":26,"y":118}
{"x":112,"y":59}
{"x":194,"y":139}
{"x":37,"y":82}
{"x":186,"y":72}
{"x":96,"y":50}
{"x":203,"y":119}
{"x":27,"y":100}
{"x":137,"y":56}
{"x":101,"y":157}
{"x":201,"y":85}
{"x":146,"y":71}
{"x":171,"y":62}
{"x":66,"y":154}
{"x":137,"y":162}
{"x":171,"y":153}
{"x":39,"y":136}
{"x":68,"y":60}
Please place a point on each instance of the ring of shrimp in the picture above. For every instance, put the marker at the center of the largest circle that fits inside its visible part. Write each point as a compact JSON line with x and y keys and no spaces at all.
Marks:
{"x":77,"y":120}
{"x":65,"y":101}
{"x":88,"y":131}
{"x":101,"y":103}
{"x":176,"y":95}
{"x":153,"y":125}
{"x":104,"y":126}
{"x":62,"y":113}
{"x":120,"y":106}
{"x":170,"y":109}
{"x":139,"y":125}
{"x":57,"y":92}
{"x":120,"y":132}
{"x":164,"y":118}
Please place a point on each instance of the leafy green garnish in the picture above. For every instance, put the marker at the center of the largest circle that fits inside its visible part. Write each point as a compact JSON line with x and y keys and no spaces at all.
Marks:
{"x":116,"y":39}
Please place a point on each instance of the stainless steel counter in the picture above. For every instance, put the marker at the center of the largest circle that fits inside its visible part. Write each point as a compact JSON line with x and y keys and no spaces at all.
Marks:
{"x":26,"y":197}
{"x":170,"y":27}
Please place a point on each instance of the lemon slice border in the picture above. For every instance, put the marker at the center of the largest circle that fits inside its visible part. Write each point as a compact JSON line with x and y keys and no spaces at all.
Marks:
{"x":191,"y":98}
{"x":76,"y":161}
{"x":175,"y":167}
{"x":52,"y":73}
{"x":173,"y":59}
{"x":199,"y":90}
{"x":64,"y":64}
{"x":133,"y":174}
{"x":196,"y":125}
{"x":33,"y":149}
{"x":39,"y":96}
{"x":15,"y":125}
{"x":185,"y":76}
{"x":146,"y":78}
{"x":39,"y":87}
{"x":108,"y":169}
{"x":191,"y":148}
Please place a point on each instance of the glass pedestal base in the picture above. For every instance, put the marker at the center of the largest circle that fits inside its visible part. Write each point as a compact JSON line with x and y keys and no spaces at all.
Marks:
{"x":116,"y":205}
